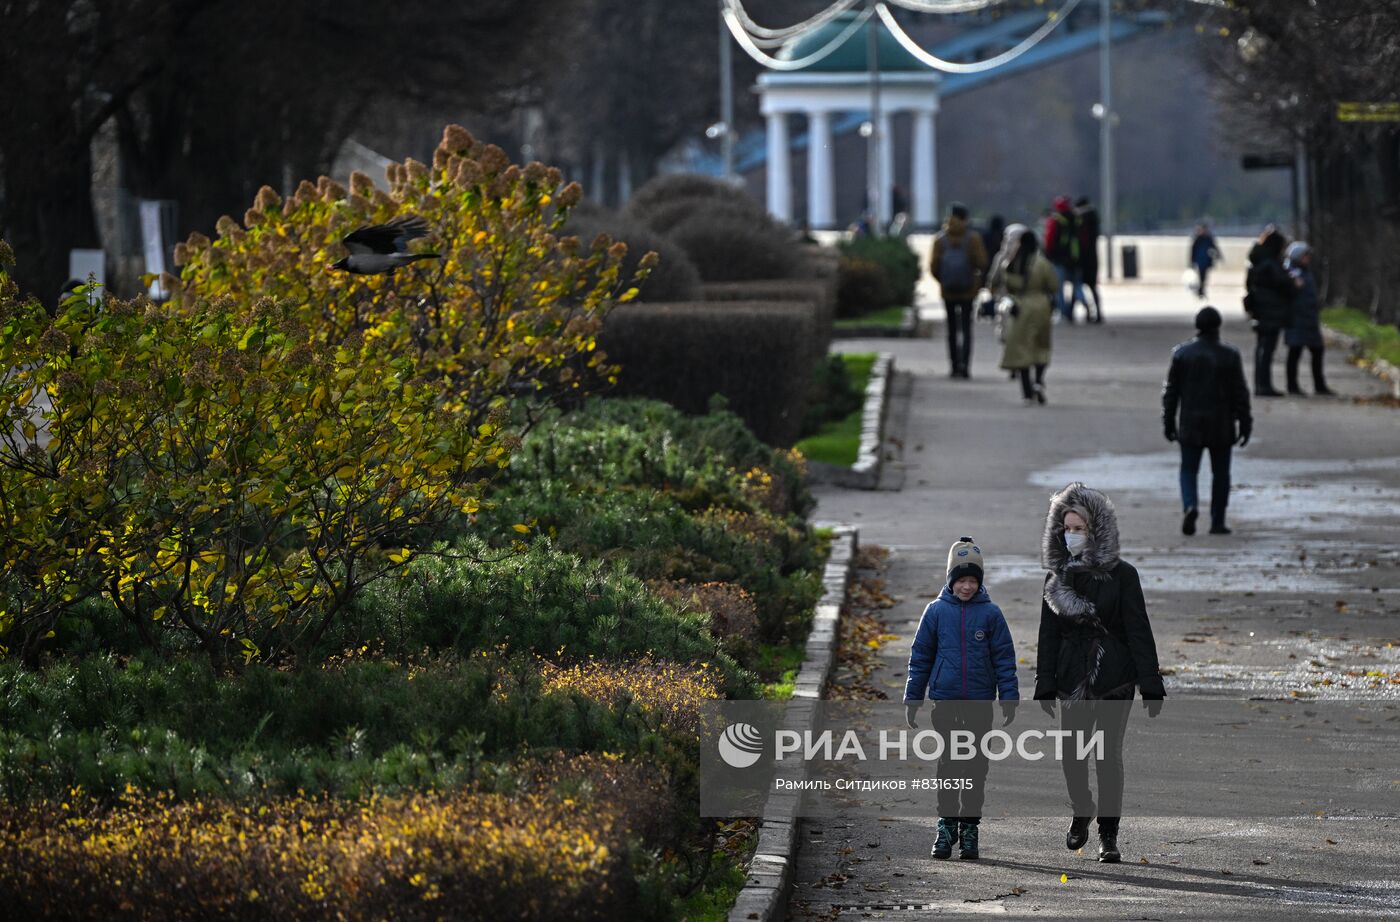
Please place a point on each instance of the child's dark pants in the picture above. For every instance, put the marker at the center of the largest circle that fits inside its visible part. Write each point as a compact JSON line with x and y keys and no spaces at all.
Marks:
{"x":974,"y":716}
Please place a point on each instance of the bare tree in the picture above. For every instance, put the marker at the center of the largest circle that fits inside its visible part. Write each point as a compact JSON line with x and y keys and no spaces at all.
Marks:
{"x":214,"y":98}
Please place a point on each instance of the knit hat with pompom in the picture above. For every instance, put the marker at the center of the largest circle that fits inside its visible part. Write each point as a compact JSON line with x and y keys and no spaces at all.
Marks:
{"x":964,"y":559}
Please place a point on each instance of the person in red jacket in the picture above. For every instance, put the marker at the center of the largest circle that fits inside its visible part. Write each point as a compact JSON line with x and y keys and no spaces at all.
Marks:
{"x":1062,"y":249}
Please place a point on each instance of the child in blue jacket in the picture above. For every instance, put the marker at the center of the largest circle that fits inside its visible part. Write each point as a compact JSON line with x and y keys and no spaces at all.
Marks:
{"x":962,"y":652}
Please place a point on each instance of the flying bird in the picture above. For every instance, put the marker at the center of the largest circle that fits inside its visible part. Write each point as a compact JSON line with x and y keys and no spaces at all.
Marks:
{"x":378,"y":249}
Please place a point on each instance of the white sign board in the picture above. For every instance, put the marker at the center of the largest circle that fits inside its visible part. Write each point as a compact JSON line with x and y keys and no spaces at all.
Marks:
{"x":84,"y":263}
{"x":153,"y":244}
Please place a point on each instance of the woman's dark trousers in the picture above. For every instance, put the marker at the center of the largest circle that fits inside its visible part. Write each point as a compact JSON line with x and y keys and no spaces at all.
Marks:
{"x":1087,"y":716}
{"x":1028,"y":389}
{"x":1265,"y":342}
{"x":976,"y":716}
{"x":1295,"y":353}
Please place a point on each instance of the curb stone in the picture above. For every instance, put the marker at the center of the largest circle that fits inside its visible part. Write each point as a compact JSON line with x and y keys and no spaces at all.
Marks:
{"x":1378,"y":367}
{"x":770,"y":874}
{"x":865,"y":473}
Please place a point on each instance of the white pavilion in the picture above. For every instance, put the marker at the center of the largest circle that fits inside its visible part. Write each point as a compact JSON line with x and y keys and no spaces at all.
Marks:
{"x":840,"y":84}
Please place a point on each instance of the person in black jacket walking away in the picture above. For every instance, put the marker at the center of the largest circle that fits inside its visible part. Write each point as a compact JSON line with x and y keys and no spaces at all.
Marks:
{"x":1269,"y":295}
{"x":1096,"y":649}
{"x":1205,"y":407}
{"x":1305,"y":332}
{"x":1089,"y":232}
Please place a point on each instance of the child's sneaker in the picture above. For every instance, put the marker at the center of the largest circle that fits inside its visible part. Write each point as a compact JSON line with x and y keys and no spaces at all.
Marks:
{"x":947,"y":838}
{"x":968,"y":833}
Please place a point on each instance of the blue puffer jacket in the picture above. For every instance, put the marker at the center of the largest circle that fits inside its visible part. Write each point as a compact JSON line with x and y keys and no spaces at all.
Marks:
{"x":962,"y":651}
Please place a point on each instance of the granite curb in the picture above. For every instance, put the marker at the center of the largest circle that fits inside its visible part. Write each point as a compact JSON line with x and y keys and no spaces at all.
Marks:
{"x":770,"y":874}
{"x":865,"y":473}
{"x":1378,"y":367}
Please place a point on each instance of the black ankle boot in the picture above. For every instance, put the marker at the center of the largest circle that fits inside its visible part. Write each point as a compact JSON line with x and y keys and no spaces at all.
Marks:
{"x":1108,"y":847}
{"x":967,"y":832}
{"x":947,"y":837}
{"x":1078,"y":833}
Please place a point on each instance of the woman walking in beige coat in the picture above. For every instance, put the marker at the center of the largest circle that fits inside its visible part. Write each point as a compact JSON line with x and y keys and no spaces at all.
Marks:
{"x":1024,"y":282}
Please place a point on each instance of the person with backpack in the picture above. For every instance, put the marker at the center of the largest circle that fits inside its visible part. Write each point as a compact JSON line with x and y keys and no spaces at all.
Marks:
{"x":958,"y":262}
{"x":1062,"y":249}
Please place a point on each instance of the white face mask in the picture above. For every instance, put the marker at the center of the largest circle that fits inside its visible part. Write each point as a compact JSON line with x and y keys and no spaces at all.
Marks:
{"x":1075,"y":542}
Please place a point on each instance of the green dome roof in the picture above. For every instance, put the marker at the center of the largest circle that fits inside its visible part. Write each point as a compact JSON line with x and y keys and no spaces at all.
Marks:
{"x":850,"y":56}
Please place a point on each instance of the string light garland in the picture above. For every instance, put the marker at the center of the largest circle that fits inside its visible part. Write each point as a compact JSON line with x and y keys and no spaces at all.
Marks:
{"x":758,"y":54}
{"x":955,"y":67}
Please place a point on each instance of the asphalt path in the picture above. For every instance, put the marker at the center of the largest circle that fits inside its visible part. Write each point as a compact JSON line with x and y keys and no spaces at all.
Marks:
{"x":1302,"y":600}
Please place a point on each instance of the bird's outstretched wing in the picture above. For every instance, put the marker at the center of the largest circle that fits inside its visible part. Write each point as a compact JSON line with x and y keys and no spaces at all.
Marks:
{"x":390,"y":237}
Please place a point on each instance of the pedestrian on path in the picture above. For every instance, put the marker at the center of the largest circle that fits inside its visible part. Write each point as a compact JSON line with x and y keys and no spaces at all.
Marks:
{"x":993,"y":234}
{"x":1024,"y":282}
{"x":959,"y":263}
{"x":1096,"y":646}
{"x":1062,"y":249}
{"x":962,"y":655}
{"x":1087,"y":217}
{"x":1204,"y":253}
{"x":1305,"y":332}
{"x":1205,"y":408}
{"x":1269,"y":295}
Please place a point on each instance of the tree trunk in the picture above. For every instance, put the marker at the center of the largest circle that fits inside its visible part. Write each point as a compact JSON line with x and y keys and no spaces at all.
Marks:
{"x":47,"y":210}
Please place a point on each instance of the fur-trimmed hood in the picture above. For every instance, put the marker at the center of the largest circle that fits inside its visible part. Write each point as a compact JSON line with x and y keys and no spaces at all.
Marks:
{"x":1100,"y":554}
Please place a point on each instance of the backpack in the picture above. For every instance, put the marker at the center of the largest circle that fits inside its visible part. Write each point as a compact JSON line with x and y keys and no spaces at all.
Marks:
{"x":955,"y":266}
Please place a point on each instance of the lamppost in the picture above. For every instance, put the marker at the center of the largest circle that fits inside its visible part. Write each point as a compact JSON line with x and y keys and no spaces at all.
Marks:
{"x":873,"y":179}
{"x":1103,"y":111}
{"x":724,"y":129}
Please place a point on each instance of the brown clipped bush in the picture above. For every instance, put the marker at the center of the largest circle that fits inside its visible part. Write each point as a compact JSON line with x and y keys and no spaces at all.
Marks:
{"x":727,"y":247}
{"x":666,"y":216}
{"x":863,"y":286}
{"x":675,"y":187}
{"x":821,"y":261}
{"x":732,"y":612}
{"x":755,"y":354}
{"x":674,"y":278}
{"x":820,"y":292}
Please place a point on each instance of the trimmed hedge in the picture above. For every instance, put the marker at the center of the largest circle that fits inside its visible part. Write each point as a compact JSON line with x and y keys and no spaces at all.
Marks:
{"x":675,"y":277}
{"x":821,"y":292}
{"x":727,"y":246}
{"x":665,"y":217}
{"x":821,"y":261}
{"x":863,"y":287}
{"x":664,"y":190}
{"x":901,"y":264}
{"x":755,"y":354}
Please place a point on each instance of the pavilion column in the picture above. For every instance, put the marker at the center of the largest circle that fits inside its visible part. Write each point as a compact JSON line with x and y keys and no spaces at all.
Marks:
{"x":886,"y":170}
{"x":779,"y":168}
{"x":821,"y":174}
{"x":925,"y":172}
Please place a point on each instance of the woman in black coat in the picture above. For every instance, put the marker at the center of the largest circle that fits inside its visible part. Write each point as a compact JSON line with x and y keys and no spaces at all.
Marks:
{"x":1096,"y":646}
{"x":1269,"y":295}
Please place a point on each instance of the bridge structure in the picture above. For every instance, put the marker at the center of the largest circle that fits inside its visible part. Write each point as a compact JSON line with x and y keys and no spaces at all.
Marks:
{"x":834,"y":95}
